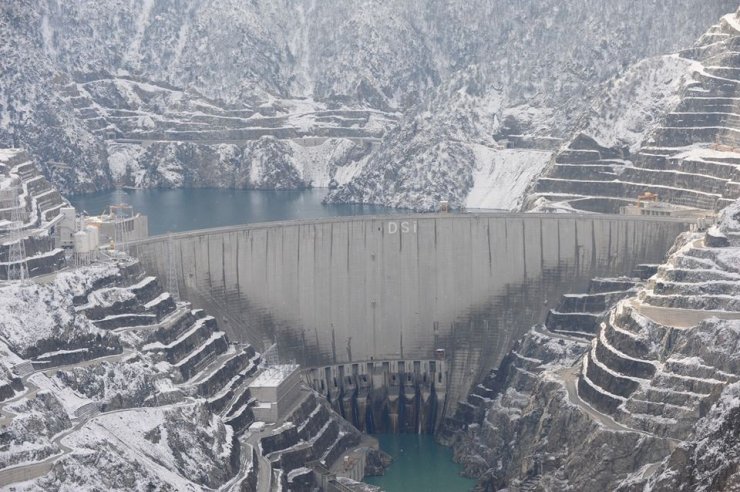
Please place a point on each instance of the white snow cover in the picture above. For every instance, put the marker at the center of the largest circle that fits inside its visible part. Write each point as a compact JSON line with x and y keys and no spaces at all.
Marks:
{"x":729,"y":219}
{"x":80,"y":280}
{"x":273,"y":376}
{"x":37,"y":312}
{"x":69,"y":399}
{"x":627,"y":109}
{"x":501,"y":176}
{"x":123,"y":159}
{"x":319,"y":163}
{"x":160,"y":440}
{"x":7,"y":154}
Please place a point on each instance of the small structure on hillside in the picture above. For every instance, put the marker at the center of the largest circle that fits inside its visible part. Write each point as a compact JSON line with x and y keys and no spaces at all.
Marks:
{"x":648,"y":204}
{"x":276,"y":390}
{"x":120,"y":225}
{"x":86,"y":244}
{"x":66,"y":228}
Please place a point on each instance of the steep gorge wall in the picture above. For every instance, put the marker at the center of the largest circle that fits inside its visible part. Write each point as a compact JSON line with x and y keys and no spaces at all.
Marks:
{"x":361,"y":289}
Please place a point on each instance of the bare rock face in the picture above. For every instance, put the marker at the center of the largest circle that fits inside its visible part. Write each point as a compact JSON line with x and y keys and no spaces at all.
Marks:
{"x":535,"y":432}
{"x":650,"y":400}
{"x":377,"y":461}
{"x":709,"y":461}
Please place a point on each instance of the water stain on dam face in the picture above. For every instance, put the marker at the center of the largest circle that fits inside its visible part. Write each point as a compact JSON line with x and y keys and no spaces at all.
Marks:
{"x":336,"y":291}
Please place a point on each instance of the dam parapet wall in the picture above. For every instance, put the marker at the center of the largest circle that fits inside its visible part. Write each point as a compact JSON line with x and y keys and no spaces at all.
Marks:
{"x":336,"y":291}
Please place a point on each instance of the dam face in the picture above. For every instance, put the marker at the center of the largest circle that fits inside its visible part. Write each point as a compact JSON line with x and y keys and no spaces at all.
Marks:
{"x":344,"y":293}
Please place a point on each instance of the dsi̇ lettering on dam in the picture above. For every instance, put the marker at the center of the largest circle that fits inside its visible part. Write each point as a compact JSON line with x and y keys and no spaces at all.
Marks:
{"x":404,"y":227}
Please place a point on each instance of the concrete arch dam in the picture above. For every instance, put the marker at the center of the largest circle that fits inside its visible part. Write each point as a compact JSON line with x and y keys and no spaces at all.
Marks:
{"x":343,"y":295}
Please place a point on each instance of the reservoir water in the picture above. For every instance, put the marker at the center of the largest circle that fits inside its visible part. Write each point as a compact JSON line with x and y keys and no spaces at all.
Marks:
{"x":201,"y":208}
{"x":419,"y":465}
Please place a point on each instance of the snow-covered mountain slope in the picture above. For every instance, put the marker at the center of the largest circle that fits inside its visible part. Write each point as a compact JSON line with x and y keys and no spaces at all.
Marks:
{"x":501,"y":176}
{"x":158,"y":135}
{"x":430,"y":156}
{"x":631,"y":105}
{"x":496,"y":151}
{"x":538,"y":59}
{"x":538,"y":80}
{"x":668,"y":127}
{"x":33,"y":116}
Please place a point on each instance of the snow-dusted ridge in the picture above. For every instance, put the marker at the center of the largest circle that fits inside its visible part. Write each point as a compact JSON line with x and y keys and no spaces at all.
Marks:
{"x":262,"y":95}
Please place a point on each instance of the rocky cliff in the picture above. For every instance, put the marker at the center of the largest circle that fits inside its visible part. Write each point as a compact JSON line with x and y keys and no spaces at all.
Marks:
{"x":649,"y":401}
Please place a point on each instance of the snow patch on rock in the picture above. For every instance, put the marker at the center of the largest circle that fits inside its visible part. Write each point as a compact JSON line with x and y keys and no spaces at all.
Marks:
{"x":501,"y":176}
{"x":632,"y":104}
